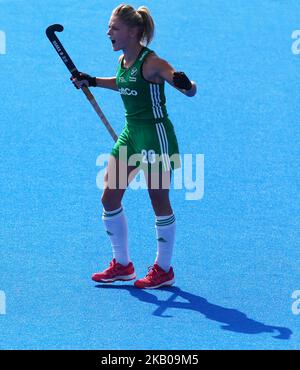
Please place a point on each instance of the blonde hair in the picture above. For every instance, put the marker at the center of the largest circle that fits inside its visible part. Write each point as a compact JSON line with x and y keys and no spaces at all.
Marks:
{"x":140,"y":18}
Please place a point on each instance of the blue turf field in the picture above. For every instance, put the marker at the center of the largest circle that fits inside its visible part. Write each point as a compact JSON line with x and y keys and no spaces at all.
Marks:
{"x":237,"y":254}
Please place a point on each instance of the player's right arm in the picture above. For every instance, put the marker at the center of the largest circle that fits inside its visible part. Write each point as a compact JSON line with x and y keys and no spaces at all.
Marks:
{"x":83,"y":79}
{"x":107,"y":83}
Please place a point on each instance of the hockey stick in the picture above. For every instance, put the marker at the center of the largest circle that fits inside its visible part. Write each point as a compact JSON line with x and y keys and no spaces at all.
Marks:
{"x":50,"y":32}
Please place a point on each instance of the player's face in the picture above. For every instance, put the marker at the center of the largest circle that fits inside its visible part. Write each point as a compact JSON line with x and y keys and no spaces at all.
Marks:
{"x":118,"y":33}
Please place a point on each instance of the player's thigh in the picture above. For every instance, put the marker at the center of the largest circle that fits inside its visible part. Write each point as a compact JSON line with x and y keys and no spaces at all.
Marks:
{"x":118,"y":174}
{"x":157,"y":179}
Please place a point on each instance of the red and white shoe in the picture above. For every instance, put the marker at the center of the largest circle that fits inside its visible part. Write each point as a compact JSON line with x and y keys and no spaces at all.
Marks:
{"x":156,"y":278}
{"x":115,"y":272}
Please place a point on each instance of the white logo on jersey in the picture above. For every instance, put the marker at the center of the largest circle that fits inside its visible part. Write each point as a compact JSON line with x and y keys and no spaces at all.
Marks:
{"x":128,"y":92}
{"x":134,"y":71}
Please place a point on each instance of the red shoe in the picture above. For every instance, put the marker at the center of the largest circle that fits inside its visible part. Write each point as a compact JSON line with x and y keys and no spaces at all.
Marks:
{"x":115,"y":272}
{"x":156,"y":278}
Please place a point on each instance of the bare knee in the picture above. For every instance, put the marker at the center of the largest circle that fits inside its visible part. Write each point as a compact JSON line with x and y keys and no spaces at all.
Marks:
{"x":111,"y":199}
{"x":160,"y":202}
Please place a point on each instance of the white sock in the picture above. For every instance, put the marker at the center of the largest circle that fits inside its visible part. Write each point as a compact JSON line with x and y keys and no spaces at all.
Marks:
{"x":165,"y":232}
{"x":116,"y":227}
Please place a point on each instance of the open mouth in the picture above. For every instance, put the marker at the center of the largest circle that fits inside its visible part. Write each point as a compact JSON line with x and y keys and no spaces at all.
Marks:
{"x":113,"y":41}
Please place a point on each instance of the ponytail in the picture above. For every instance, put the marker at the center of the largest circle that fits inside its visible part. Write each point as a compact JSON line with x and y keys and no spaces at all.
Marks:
{"x":148,"y":29}
{"x":140,"y":18}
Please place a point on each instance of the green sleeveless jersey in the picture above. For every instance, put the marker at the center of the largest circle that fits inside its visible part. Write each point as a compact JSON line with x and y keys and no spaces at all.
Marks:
{"x":144,"y":101}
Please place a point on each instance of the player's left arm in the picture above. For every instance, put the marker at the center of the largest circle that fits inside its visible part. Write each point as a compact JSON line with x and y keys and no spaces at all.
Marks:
{"x":179,"y":80}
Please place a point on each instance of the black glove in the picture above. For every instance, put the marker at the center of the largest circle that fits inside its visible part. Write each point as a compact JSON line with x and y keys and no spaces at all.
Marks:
{"x":81,"y":79}
{"x":181,"y":81}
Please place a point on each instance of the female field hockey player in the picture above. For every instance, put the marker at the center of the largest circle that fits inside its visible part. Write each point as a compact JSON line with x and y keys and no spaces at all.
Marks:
{"x":148,"y":134}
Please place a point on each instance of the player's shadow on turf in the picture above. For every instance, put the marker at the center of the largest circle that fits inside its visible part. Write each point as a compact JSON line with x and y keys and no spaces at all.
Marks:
{"x":234,"y":320}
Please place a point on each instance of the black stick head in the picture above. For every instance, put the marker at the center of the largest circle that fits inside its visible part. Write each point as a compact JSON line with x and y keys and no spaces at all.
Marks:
{"x":52,"y":29}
